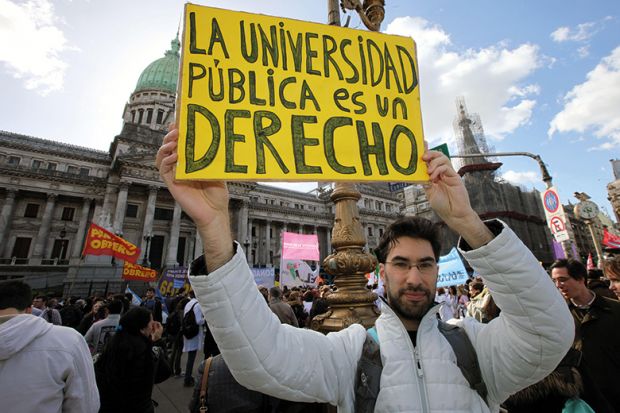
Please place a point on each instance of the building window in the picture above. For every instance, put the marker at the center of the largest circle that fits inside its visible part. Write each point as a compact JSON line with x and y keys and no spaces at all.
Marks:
{"x":72,"y":169}
{"x":140,"y":115}
{"x":68,"y":213}
{"x":160,"y":116}
{"x":132,"y":211}
{"x":14,"y":160}
{"x":388,"y":207}
{"x":181,"y":251}
{"x":36,"y":164}
{"x":51,"y":166}
{"x":133,"y":116}
{"x":380,"y":232}
{"x":21,"y":247}
{"x":59,"y":249}
{"x":84,"y":171}
{"x":32,"y":210}
{"x":149,"y":116}
{"x":163,"y":214}
{"x":370,"y":231}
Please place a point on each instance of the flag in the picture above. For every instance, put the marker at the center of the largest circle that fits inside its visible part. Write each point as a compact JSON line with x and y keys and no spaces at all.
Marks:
{"x":590,"y":263}
{"x":100,"y":241}
{"x":610,"y":240}
{"x":138,"y":273}
{"x":135,"y":299}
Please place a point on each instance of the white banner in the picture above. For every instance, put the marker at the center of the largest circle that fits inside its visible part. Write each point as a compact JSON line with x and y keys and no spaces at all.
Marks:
{"x":451,"y":270}
{"x":297,"y":273}
{"x":264,"y":276}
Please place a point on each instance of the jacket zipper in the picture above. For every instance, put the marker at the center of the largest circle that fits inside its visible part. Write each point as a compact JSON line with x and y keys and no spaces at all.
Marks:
{"x":421,"y":383}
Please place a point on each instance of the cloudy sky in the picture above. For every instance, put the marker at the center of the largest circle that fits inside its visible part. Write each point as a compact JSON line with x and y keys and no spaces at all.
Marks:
{"x":543,"y":76}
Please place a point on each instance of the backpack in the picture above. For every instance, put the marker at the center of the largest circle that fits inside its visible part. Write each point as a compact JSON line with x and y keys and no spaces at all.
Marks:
{"x":173,"y":324}
{"x":189,"y":326}
{"x":369,"y":367}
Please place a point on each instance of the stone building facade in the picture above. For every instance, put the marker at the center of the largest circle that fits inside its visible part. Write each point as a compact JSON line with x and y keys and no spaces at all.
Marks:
{"x":50,"y":192}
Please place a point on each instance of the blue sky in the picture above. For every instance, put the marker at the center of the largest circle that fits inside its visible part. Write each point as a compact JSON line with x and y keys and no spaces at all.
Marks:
{"x":543,"y":76}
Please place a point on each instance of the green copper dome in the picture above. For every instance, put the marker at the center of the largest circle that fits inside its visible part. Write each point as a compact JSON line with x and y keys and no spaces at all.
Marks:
{"x":163,"y":73}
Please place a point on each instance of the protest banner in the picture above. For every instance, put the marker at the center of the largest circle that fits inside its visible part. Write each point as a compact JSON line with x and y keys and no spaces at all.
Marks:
{"x":100,"y":241}
{"x":137,"y":272}
{"x":267,"y":98}
{"x":451,"y":270}
{"x":264,"y":276}
{"x":174,"y":281}
{"x":300,"y":246}
{"x":297,"y":273}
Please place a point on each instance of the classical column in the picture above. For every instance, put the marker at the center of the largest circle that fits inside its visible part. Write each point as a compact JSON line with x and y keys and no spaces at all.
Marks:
{"x":328,"y":233}
{"x":191,"y":243}
{"x":242,"y":222}
{"x":173,"y":243}
{"x":147,"y":228}
{"x":248,"y":251}
{"x":198,"y":250}
{"x":44,"y":229}
{"x":267,"y":242}
{"x":81,"y":232}
{"x":7,"y":213}
{"x":121,"y":206}
{"x":301,"y":228}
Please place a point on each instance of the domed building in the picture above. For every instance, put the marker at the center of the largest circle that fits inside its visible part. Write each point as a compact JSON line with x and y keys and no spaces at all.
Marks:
{"x":50,"y":193}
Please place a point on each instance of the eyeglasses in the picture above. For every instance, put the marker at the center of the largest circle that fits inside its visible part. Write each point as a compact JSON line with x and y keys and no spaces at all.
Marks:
{"x":427,"y":267}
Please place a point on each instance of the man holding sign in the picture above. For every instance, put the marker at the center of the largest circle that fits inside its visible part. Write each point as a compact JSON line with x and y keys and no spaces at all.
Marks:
{"x":520,"y":347}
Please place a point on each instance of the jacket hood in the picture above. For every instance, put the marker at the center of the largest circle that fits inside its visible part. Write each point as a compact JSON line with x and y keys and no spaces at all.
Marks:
{"x":19,"y":331}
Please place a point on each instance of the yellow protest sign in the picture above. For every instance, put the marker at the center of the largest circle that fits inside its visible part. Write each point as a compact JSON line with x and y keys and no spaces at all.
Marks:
{"x":267,"y":98}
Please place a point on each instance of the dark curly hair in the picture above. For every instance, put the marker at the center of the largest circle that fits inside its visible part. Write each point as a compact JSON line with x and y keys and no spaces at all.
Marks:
{"x":414,"y":227}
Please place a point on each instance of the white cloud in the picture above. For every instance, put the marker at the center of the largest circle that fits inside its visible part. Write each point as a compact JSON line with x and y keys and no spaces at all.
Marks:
{"x":593,"y":105}
{"x":492,"y":80}
{"x":583,"y":51}
{"x":31,"y":44}
{"x":522,"y":178}
{"x":561,"y":34}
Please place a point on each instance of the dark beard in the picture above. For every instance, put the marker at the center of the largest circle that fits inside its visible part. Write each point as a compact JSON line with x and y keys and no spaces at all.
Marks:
{"x":412,"y":311}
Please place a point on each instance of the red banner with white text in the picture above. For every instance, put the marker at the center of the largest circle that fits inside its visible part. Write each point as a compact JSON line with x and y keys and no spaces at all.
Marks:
{"x":100,"y":241}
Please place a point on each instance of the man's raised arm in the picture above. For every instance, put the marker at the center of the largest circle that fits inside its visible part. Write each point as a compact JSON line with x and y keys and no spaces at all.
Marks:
{"x":206,"y":202}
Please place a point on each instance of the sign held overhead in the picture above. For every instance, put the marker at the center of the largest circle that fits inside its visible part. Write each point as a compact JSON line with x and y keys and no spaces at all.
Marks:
{"x":266,"y":98}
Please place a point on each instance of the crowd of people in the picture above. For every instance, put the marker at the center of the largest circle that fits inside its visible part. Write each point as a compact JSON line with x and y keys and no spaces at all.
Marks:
{"x":541,"y":340}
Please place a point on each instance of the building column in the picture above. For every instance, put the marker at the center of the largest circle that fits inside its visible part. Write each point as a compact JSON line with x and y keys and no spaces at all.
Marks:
{"x":173,"y":243}
{"x":7,"y":214}
{"x":81,"y":232}
{"x":248,"y":253}
{"x":267,"y":242}
{"x":242,"y":223}
{"x":121,"y":206}
{"x":328,"y":233}
{"x":191,"y":243}
{"x":300,"y":228}
{"x":44,"y":229}
{"x":149,"y":213}
{"x":198,"y":250}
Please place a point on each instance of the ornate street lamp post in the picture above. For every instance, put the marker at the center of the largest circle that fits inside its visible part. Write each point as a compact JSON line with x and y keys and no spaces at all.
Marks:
{"x":352,"y":303}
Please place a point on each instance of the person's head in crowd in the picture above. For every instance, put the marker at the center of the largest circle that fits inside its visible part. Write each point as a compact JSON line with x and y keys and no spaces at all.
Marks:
{"x":441,"y":291}
{"x":595,"y":274}
{"x":294,"y":298}
{"x":452,"y":290}
{"x":308,"y":296}
{"x":15,"y":298}
{"x":114,"y":307}
{"x":150,"y":293}
{"x":275,"y":293}
{"x":611,"y":269}
{"x":264,"y":292}
{"x":40,"y":302}
{"x":569,"y":276}
{"x":475,"y":288}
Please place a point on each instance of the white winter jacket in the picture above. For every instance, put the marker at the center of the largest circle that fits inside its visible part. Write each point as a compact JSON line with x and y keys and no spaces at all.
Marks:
{"x":517,"y":349}
{"x":44,"y":368}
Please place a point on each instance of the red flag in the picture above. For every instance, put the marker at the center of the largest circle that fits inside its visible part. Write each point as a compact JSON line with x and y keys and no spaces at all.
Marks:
{"x":100,"y":241}
{"x":610,"y":240}
{"x":590,"y":264}
{"x":138,"y":273}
